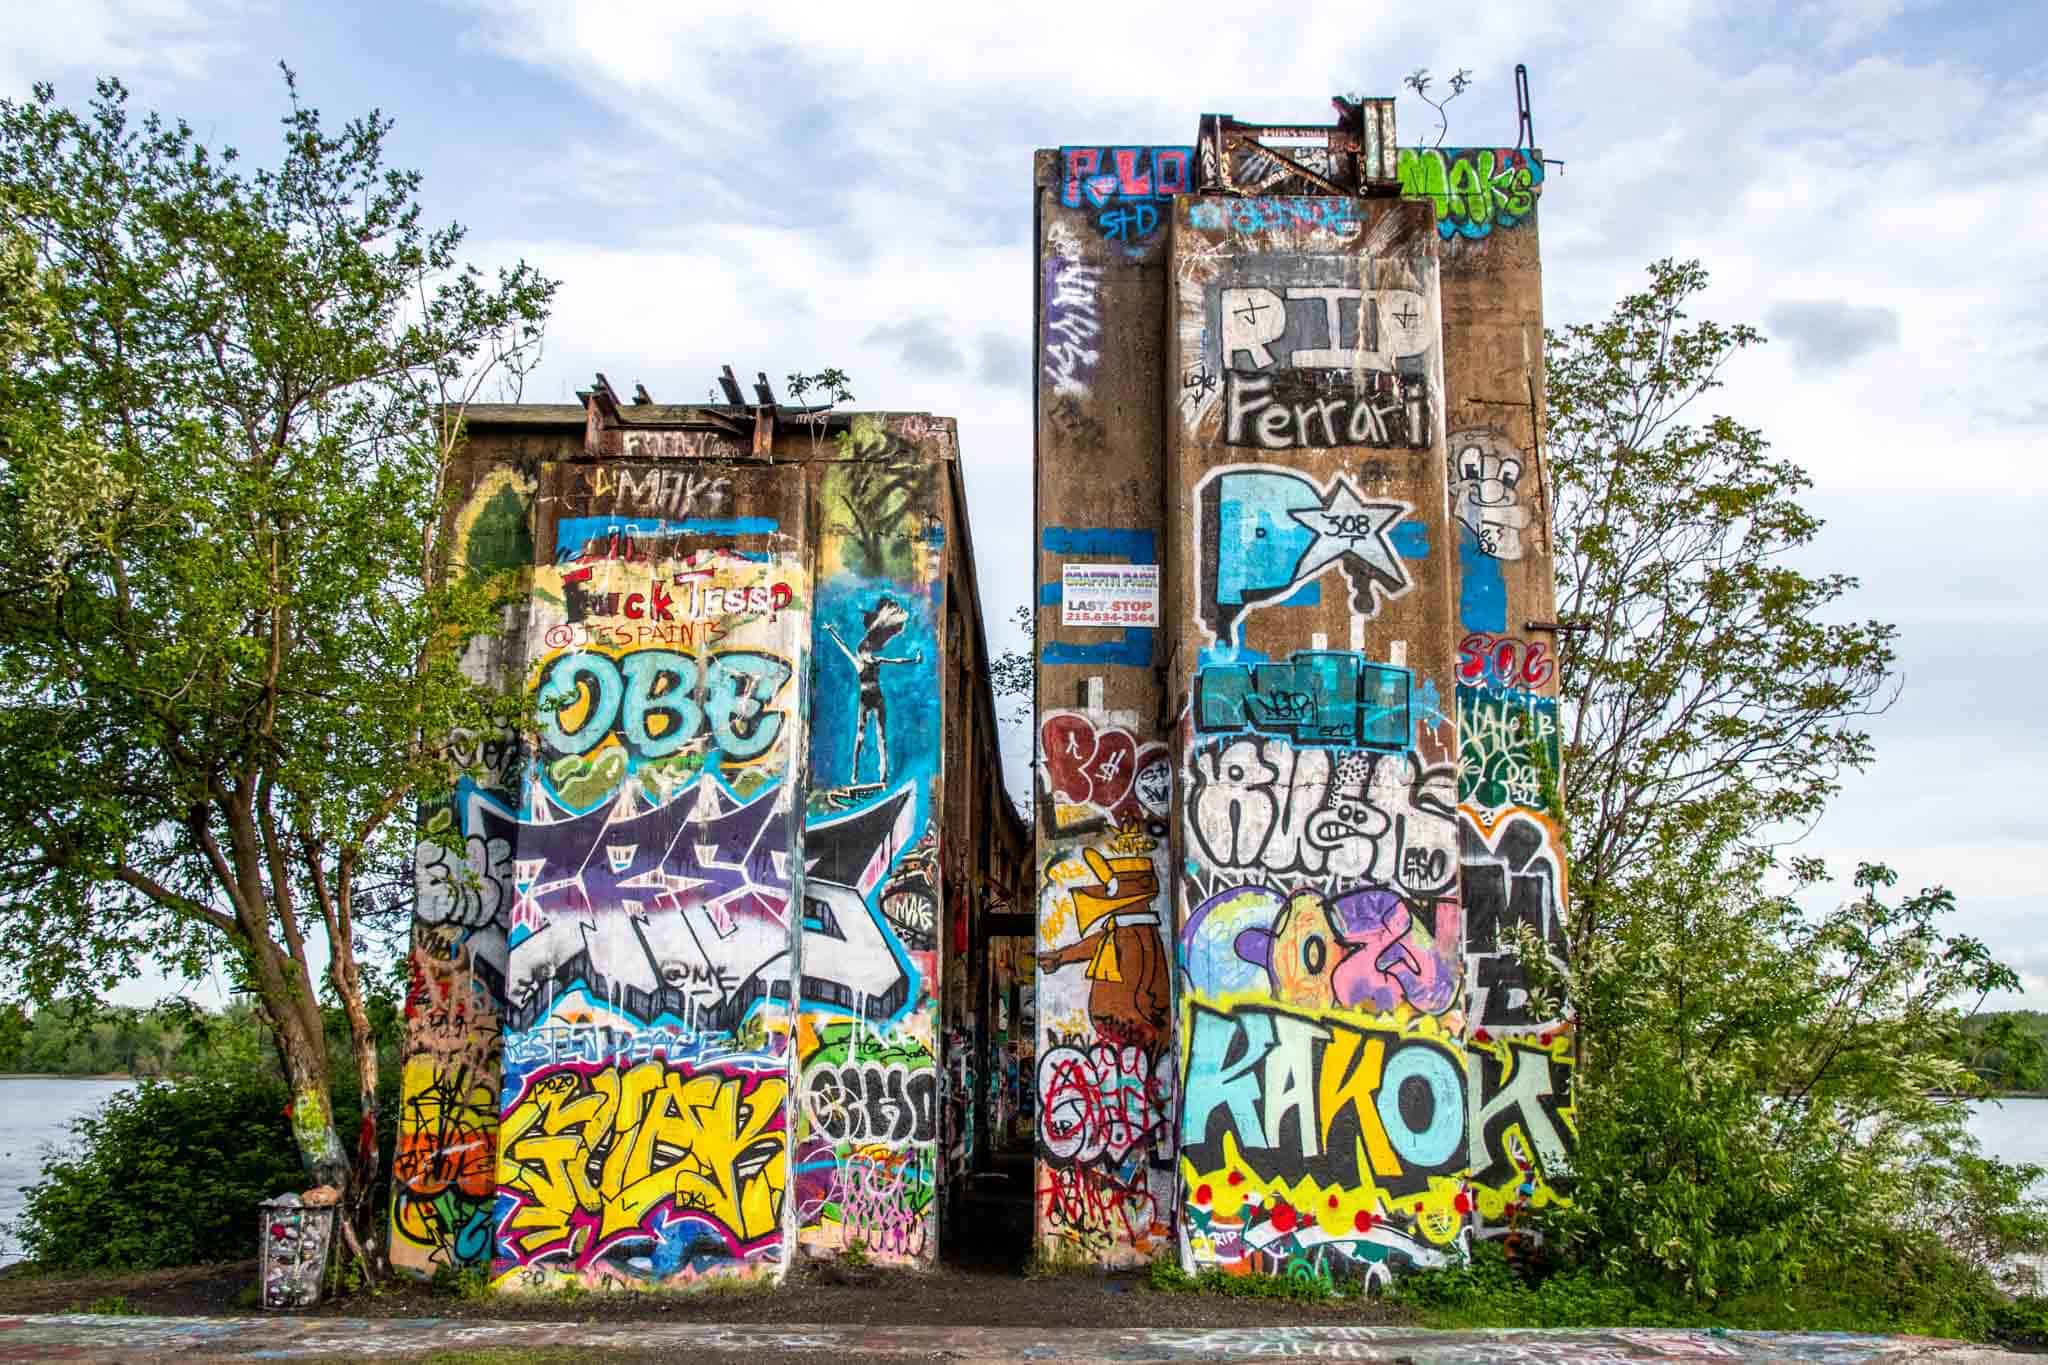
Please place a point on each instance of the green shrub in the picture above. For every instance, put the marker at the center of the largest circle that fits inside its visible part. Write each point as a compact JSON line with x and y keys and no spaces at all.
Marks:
{"x":1894,"y":1282}
{"x":166,"y":1174}
{"x":2023,"y":1322}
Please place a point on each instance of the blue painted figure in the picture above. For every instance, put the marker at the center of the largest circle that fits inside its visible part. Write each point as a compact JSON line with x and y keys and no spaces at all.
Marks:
{"x":880,"y":624}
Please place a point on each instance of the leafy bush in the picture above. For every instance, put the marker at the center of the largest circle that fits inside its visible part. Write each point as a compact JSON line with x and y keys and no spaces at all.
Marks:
{"x":166,"y":1174}
{"x":1897,"y":1284}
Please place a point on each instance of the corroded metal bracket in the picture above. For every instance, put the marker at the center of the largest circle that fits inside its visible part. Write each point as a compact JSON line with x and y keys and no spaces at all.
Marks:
{"x":1355,"y":156}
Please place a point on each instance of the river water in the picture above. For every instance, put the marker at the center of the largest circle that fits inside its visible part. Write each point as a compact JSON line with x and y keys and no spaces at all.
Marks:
{"x":35,"y":1123}
{"x":36,"y":1114}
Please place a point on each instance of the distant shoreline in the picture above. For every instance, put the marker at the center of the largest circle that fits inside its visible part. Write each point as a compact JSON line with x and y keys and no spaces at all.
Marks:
{"x":75,"y":1076}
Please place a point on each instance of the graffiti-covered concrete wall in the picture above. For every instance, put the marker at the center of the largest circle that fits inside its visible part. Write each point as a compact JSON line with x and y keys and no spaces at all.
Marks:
{"x":1297,"y":703}
{"x":677,"y":953}
{"x":867,"y":1053}
{"x":1319,"y":921}
{"x":1103,"y":1180}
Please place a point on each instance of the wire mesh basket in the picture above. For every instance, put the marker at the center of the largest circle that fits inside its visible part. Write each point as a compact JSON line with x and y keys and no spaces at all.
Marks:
{"x":296,"y":1239}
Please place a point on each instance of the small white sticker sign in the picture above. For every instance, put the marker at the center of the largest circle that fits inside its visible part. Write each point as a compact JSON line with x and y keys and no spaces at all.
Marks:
{"x":1109,"y":595}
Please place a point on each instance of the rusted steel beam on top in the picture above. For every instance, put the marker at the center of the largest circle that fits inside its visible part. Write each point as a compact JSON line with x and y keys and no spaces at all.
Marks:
{"x":1357,"y":153}
{"x":731,"y":384}
{"x":607,"y":400}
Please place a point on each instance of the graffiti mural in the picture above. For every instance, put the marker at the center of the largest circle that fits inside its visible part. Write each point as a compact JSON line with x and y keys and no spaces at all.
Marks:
{"x":1339,"y":217}
{"x":1317,"y":697}
{"x":867,"y":1123}
{"x":1105,"y":1082}
{"x":1473,"y":189}
{"x":1322,"y":1050}
{"x":1268,"y":535}
{"x":1125,"y":188}
{"x":1511,"y":848}
{"x":1101,"y":776}
{"x":1313,"y":1139}
{"x":1323,"y":366}
{"x":1295,"y":343}
{"x":1486,"y":473}
{"x":1341,"y":894}
{"x":653,"y":1170}
{"x":443,"y":1168}
{"x":646,"y":860}
{"x":1073,"y":320}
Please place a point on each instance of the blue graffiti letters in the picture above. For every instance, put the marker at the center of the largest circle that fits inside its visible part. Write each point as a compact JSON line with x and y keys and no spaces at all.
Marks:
{"x":1267,"y":532}
{"x":1316,"y":697}
{"x":1306,"y":1096}
{"x":658,"y":701}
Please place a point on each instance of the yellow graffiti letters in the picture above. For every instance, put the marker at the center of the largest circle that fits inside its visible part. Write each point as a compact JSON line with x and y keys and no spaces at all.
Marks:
{"x":603,"y":1154}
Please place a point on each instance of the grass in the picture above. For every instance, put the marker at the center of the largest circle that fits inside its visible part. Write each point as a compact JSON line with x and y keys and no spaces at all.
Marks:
{"x":1166,"y":1277}
{"x":471,"y":1284}
{"x":1061,"y":1259}
{"x":1936,"y":1299}
{"x":109,"y":1305}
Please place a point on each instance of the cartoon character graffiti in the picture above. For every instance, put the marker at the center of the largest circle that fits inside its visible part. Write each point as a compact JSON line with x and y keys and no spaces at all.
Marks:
{"x":1120,"y":942}
{"x":880,"y":624}
{"x":1485,"y":469}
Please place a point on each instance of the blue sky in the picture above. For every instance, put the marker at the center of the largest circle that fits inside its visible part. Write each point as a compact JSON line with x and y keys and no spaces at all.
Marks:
{"x":789,"y":187}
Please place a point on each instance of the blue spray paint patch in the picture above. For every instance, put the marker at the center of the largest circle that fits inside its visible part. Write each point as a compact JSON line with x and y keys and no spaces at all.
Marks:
{"x":1230,"y":654}
{"x":1134,"y":648}
{"x":1429,"y":703}
{"x":1482,"y":592}
{"x":1138,"y":547}
{"x":572,"y":534}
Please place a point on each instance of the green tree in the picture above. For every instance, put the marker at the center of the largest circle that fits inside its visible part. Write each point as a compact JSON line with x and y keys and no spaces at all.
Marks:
{"x":2006,"y":1052}
{"x":1760,"y":1088}
{"x":1711,"y":701}
{"x":225,"y":638}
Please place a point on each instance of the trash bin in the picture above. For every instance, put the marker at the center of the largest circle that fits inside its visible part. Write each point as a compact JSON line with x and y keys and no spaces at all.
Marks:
{"x":296,"y":1237}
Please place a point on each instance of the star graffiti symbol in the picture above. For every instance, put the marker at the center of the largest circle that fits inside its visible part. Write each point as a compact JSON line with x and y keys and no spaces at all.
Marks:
{"x":1347,"y":525}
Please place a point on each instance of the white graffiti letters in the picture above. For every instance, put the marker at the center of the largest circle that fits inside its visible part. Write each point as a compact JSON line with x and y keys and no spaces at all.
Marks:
{"x":1267,"y":805}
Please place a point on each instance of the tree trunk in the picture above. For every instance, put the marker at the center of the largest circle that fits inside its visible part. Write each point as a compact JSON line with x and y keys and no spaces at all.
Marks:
{"x":348,"y":984}
{"x":305,"y":1066}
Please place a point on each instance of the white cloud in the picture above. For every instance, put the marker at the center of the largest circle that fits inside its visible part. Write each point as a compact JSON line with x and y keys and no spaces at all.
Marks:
{"x":802,"y":182}
{"x":174,"y":39}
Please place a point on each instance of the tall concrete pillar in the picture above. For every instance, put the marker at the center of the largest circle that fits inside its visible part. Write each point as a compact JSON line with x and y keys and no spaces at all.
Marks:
{"x":1103,"y":1180}
{"x":1513,"y":866}
{"x":1319,"y":925}
{"x":643,"y":1130}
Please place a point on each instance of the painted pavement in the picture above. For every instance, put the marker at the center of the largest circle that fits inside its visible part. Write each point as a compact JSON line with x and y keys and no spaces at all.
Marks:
{"x":89,"y":1338}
